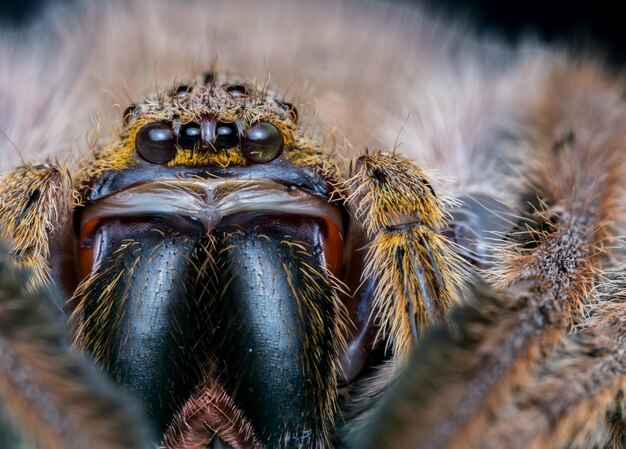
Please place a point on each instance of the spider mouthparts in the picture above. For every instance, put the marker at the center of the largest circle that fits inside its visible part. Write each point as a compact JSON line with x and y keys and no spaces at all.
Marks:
{"x":150,"y":343}
{"x":280,"y":329}
{"x":162,"y":301}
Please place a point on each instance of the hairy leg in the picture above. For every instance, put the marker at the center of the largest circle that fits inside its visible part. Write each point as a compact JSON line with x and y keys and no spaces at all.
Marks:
{"x":35,"y":217}
{"x":571,"y":165}
{"x":416,"y":274}
{"x":57,"y":398}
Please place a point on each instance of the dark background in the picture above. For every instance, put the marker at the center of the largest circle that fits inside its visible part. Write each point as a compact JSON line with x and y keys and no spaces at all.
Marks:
{"x":596,"y":24}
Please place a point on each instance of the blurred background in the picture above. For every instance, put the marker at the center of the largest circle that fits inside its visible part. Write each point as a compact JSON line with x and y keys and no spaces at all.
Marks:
{"x":598,"y":24}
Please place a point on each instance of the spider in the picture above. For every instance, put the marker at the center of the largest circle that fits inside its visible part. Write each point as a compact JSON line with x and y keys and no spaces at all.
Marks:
{"x":225,"y":269}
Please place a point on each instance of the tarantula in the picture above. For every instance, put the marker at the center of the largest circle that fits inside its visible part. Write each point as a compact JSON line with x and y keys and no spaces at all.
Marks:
{"x":233,"y":274}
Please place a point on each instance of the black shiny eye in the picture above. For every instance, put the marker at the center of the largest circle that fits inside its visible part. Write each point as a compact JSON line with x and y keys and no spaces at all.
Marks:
{"x":226,"y":136}
{"x":189,"y":135}
{"x":155,"y":143}
{"x":181,"y":91}
{"x":262,"y":143}
{"x":238,"y":90}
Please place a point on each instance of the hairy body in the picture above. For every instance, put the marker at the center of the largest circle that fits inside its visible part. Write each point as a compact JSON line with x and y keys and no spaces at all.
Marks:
{"x":532,"y":133}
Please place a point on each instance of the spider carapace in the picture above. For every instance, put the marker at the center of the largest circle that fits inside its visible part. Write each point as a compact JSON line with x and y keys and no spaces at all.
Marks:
{"x":224,"y":270}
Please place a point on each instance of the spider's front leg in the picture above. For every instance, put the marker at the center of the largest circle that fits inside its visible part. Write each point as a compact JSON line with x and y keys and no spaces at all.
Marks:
{"x":35,"y":217}
{"x":56,"y":398}
{"x":516,"y":372}
{"x":416,"y":275}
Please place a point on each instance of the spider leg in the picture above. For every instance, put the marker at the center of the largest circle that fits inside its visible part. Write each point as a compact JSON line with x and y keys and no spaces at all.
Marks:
{"x":57,"y":398}
{"x":411,"y":264}
{"x":574,"y":398}
{"x":575,"y":395}
{"x":35,"y":216}
{"x":571,"y":169}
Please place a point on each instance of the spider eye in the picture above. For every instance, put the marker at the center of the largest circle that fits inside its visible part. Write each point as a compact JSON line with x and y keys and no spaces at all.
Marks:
{"x":238,"y":90}
{"x":262,"y":142}
{"x":155,"y":143}
{"x":181,"y":91}
{"x":226,"y":135}
{"x":189,"y":135}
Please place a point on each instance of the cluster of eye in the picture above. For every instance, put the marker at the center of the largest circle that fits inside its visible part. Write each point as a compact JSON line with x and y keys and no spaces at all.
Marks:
{"x":158,"y":142}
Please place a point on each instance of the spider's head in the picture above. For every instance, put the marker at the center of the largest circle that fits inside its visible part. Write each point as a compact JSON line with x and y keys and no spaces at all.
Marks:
{"x":211,"y":234}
